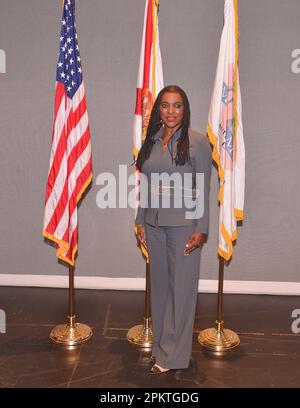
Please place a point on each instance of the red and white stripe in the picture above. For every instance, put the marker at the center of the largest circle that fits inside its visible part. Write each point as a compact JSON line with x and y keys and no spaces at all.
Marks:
{"x":70,"y":171}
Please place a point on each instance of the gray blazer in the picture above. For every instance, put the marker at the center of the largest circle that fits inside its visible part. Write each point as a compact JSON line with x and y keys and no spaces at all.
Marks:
{"x":152,"y":209}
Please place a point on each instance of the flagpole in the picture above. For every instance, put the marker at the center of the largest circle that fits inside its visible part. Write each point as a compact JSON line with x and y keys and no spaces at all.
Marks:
{"x":218,"y":339}
{"x":141,"y":334}
{"x":72,"y":333}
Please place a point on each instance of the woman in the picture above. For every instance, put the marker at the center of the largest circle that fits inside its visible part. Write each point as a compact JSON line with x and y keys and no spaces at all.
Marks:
{"x":173,"y":238}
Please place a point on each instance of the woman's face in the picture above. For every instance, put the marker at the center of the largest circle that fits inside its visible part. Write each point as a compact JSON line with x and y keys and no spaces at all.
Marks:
{"x":171,"y":110}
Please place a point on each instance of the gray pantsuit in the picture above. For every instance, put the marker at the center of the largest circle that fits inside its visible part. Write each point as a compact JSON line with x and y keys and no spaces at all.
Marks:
{"x":174,"y":284}
{"x":174,"y":277}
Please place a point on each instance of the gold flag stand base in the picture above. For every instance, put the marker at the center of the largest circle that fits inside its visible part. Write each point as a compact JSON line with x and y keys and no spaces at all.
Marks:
{"x":141,"y":335}
{"x":71,"y":334}
{"x":218,"y":339}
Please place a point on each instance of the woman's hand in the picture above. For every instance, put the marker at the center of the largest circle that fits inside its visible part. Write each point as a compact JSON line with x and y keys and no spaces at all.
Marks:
{"x":196,"y":239}
{"x":141,"y":235}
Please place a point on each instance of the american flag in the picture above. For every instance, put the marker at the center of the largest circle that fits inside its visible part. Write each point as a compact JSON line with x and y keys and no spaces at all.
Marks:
{"x":70,"y":169}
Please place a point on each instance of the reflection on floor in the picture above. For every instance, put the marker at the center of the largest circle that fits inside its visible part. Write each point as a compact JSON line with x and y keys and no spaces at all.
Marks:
{"x":269,"y":354}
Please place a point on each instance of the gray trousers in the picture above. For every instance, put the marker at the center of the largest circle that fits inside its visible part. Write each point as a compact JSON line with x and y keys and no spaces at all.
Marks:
{"x":174,"y":287}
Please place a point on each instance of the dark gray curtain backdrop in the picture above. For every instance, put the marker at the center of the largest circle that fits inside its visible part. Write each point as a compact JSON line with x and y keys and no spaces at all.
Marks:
{"x":109,"y":39}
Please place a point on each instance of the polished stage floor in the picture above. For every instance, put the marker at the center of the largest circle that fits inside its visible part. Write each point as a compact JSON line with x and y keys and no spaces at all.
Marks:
{"x":269,"y":354}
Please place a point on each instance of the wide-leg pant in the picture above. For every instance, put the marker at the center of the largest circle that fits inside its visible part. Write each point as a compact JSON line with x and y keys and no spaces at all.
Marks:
{"x":174,"y":284}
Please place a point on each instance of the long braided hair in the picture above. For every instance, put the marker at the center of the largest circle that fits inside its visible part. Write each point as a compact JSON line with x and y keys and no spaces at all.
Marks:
{"x":155,"y":123}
